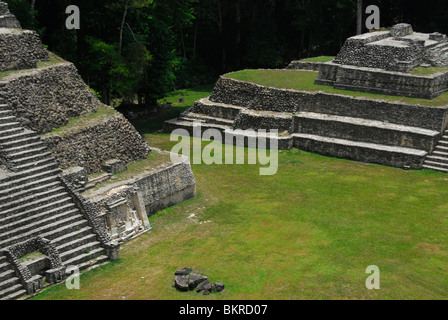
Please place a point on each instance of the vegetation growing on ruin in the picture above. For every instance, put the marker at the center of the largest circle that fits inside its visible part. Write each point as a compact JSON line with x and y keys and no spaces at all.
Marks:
{"x":319,"y":59}
{"x":75,"y":124}
{"x":427,"y":71}
{"x":304,"y":80}
{"x":153,"y":162}
{"x":54,"y":59}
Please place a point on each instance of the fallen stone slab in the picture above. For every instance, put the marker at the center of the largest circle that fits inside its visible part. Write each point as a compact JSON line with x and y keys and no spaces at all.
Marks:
{"x":181,"y":283}
{"x":204,"y":286}
{"x":195,"y":280}
{"x":183,"y":272}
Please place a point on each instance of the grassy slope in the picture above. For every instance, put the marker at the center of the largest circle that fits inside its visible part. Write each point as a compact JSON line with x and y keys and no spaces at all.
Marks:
{"x":304,"y":80}
{"x":308,"y":232}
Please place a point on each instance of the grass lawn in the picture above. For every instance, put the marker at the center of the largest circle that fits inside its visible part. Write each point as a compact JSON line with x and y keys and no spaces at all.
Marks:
{"x":304,"y":80}
{"x":319,"y":59}
{"x":308,"y":232}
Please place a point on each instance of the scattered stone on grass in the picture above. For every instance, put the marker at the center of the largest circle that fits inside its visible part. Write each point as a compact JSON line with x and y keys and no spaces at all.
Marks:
{"x":188,"y":280}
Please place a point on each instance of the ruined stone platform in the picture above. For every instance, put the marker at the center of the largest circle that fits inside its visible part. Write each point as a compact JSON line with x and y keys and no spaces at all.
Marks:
{"x":363,"y":129}
{"x":381,"y":62}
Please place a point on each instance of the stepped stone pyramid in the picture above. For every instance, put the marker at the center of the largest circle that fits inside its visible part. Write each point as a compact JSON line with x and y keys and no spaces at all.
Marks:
{"x":61,"y":203}
{"x":381,"y":62}
{"x":361,"y":128}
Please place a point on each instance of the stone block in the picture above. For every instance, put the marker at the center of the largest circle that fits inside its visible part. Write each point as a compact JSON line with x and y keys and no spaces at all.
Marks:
{"x":401,"y":30}
{"x":115,"y":166}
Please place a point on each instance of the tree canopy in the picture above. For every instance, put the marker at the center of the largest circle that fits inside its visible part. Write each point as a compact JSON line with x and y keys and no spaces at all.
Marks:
{"x":142,"y":49}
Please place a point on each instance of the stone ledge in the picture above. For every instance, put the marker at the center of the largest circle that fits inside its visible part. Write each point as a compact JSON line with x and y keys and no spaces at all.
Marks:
{"x":378,"y":81}
{"x":258,"y":97}
{"x":360,"y":151}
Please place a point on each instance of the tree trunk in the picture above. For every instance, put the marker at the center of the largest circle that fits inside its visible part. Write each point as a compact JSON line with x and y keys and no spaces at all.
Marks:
{"x":195,"y":38}
{"x":122,"y":26}
{"x":183,"y":42}
{"x":359,"y":20}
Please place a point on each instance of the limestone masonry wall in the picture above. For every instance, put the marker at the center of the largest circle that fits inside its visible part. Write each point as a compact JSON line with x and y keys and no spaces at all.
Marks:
{"x":167,"y":187}
{"x":382,"y":82}
{"x":258,"y":97}
{"x":45,"y":98}
{"x":162,"y":188}
{"x":20,"y":50}
{"x":89,"y":147}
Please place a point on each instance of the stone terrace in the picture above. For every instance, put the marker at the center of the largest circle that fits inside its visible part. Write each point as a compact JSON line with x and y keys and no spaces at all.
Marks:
{"x":361,"y":129}
{"x":381,"y":62}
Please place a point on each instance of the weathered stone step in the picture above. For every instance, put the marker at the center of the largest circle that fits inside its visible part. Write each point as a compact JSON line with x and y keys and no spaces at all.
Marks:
{"x":80,"y":250}
{"x":5,"y":191}
{"x":72,"y":236}
{"x":36,"y":196}
{"x":8,"y":126}
{"x":365,"y":130}
{"x":4,"y":119}
{"x":80,"y":260}
{"x":23,"y":150}
{"x":35,"y":204}
{"x":442,"y":148}
{"x":19,"y":142}
{"x":435,"y":168}
{"x":31,"y":159}
{"x":37,"y":164}
{"x":436,"y":164}
{"x":65,"y":229}
{"x":16,"y":294}
{"x":6,"y":113}
{"x":4,"y":264}
{"x":36,"y":220}
{"x":361,"y":151}
{"x":35,"y":210}
{"x":21,"y":135}
{"x":10,"y":132}
{"x":37,"y":213}
{"x":171,"y":125}
{"x":20,"y":228}
{"x":6,"y":275}
{"x":25,"y":177}
{"x":441,"y":153}
{"x":9,"y":283}
{"x":438,"y":158}
{"x":77,"y":243}
{"x":48,"y":228}
{"x":189,"y":116}
{"x":215,"y":109}
{"x":98,"y":259}
{"x":12,"y":292}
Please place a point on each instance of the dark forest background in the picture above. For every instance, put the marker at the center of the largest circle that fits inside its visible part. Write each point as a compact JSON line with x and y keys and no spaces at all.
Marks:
{"x":139,"y":50}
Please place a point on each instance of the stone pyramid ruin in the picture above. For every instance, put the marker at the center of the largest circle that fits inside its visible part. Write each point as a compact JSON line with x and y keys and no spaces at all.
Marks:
{"x":70,"y":189}
{"x":400,"y":133}
{"x":381,"y":62}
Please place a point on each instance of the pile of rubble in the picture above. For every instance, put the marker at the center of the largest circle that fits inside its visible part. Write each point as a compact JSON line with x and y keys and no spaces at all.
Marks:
{"x":189,"y":280}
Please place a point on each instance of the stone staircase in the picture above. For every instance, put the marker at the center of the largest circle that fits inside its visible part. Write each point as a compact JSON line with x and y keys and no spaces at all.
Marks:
{"x":438,"y":159}
{"x":33,"y":202}
{"x":438,"y":55}
{"x":209,"y":114}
